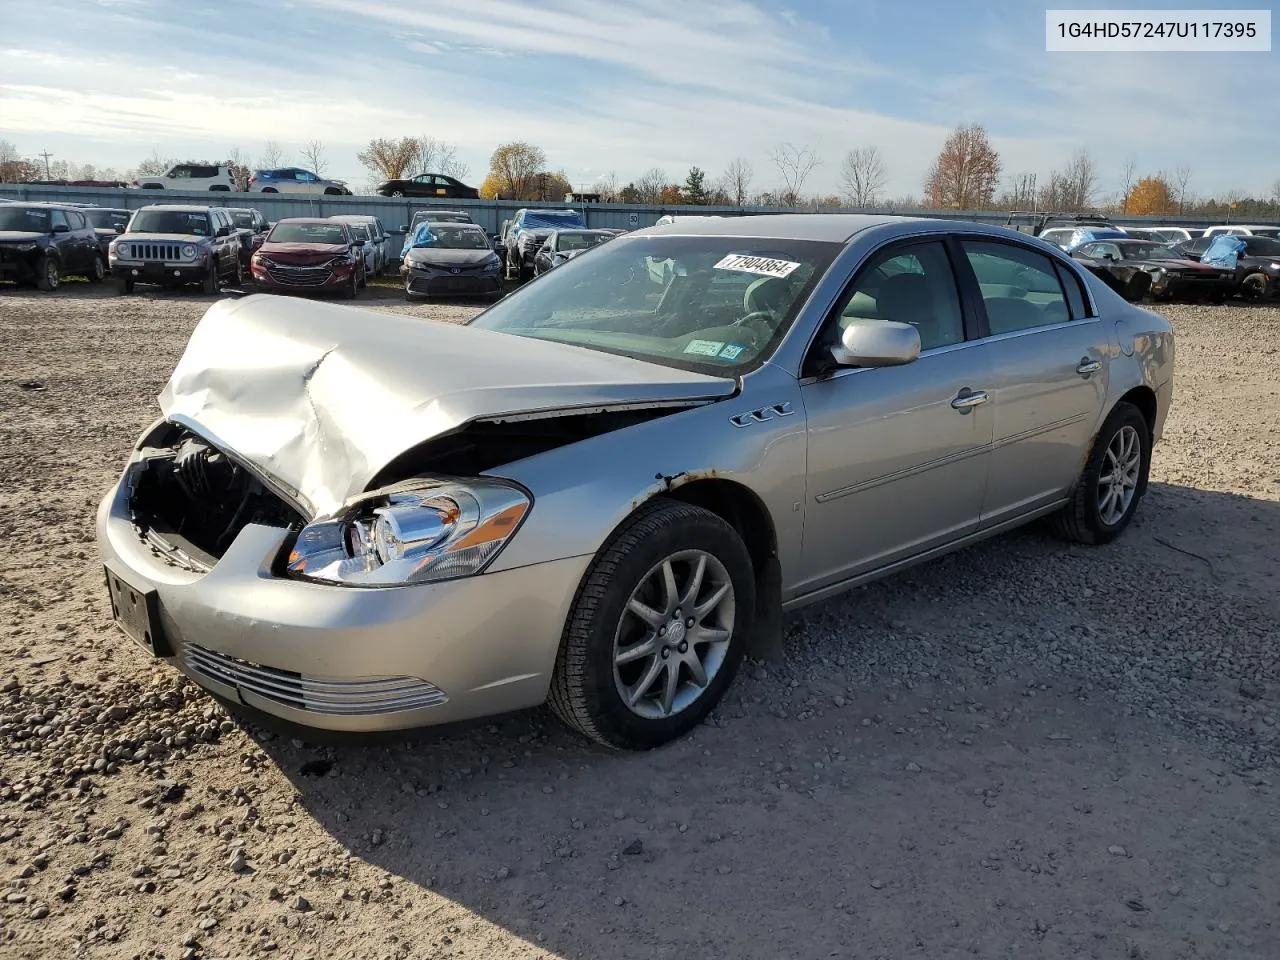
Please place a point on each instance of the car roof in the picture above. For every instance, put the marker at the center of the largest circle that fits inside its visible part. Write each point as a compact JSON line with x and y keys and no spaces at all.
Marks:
{"x":45,"y":205}
{"x":353,"y":217}
{"x":829,"y":227}
{"x":181,"y":207}
{"x":311,"y":220}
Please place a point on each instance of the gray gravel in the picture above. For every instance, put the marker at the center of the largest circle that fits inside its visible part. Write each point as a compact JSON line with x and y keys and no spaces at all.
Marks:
{"x":1026,"y":749}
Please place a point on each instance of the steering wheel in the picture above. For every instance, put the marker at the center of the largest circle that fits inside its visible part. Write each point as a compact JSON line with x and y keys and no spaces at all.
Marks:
{"x":762,"y":315}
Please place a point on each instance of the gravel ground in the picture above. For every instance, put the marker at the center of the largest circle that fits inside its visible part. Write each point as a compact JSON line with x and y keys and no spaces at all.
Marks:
{"x":1024,"y":750}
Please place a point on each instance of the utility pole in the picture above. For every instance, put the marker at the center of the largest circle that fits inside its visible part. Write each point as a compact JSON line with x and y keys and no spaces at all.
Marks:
{"x":46,"y":156}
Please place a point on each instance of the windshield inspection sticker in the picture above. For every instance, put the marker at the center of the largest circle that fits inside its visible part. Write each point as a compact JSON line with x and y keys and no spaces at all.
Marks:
{"x":731,"y":351}
{"x":704,"y":348}
{"x":765,"y":266}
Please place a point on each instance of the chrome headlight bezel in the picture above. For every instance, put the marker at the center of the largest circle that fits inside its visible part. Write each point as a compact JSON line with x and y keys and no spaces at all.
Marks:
{"x":425,"y":530}
{"x":189,"y":251}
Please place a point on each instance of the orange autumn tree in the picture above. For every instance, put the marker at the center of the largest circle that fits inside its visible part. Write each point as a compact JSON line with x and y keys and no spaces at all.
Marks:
{"x":1151,"y":195}
{"x":964,"y":175}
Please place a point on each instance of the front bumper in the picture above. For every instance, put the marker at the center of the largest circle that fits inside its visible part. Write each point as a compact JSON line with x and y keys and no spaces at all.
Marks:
{"x":1191,"y":285}
{"x":443,"y":283}
{"x":348,"y":659}
{"x":293,"y":277}
{"x":151,"y":272}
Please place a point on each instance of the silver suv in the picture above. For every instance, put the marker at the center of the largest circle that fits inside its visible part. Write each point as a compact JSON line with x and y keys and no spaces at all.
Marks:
{"x":174,"y":244}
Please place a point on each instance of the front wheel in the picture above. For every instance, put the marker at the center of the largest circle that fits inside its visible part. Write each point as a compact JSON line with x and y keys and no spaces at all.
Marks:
{"x":126,"y":286}
{"x":48,"y":274}
{"x":657,"y":630}
{"x":1113,"y":482}
{"x":397,"y":193}
{"x":98,"y":272}
{"x":1256,"y":286}
{"x":209,"y":285}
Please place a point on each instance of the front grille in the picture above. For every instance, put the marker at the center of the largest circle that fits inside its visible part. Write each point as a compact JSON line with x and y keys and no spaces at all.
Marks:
{"x":299,"y":276}
{"x":445,"y":283}
{"x":375,"y":695}
{"x":168,"y":252}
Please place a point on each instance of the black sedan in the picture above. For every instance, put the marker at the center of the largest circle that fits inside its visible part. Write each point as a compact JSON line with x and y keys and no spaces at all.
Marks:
{"x":42,"y":242}
{"x":1257,"y":270}
{"x":429,"y":185}
{"x":451,"y":259}
{"x":1172,"y":275}
{"x":563,"y":245}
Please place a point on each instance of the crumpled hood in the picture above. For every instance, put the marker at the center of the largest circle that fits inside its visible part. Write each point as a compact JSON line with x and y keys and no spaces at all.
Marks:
{"x":317,"y":398}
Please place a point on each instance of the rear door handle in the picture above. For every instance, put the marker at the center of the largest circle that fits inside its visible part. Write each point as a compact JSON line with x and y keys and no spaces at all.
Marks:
{"x":967,"y":399}
{"x":1087,"y":366}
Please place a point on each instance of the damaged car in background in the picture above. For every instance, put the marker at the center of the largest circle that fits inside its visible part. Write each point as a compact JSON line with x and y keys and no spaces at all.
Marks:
{"x":606,"y":488}
{"x":1171,"y":275}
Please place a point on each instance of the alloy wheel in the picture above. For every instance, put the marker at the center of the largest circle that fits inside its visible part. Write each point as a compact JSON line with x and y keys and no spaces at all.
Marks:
{"x":1118,"y":478}
{"x":674,"y":634}
{"x":52,"y":275}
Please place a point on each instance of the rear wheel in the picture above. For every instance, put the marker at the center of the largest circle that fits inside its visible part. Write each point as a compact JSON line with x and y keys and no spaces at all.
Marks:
{"x":1113,"y":482}
{"x":270,"y":190}
{"x":657,"y":630}
{"x":97,"y":272}
{"x":48,"y":274}
{"x":397,"y":193}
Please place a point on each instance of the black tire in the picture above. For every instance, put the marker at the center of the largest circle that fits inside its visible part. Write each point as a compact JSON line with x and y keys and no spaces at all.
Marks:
{"x":1081,"y":520}
{"x":126,"y":286}
{"x":583,"y":690}
{"x":48,"y":274}
{"x":237,"y":278}
{"x":98,"y":272}
{"x":350,"y":291}
{"x":209,"y":284}
{"x":270,"y":190}
{"x":1256,"y":286}
{"x":220,"y":186}
{"x":332,"y":192}
{"x":396,"y":193}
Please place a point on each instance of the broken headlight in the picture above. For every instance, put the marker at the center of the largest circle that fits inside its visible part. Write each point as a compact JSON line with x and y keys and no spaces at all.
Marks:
{"x":413,"y":532}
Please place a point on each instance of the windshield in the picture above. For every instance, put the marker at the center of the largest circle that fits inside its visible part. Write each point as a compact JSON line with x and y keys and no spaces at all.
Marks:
{"x":317,"y":233}
{"x":242,"y":218}
{"x":551,"y":219}
{"x":577,"y":241}
{"x":108,"y":219}
{"x":25,"y":219}
{"x":170,"y":221}
{"x":421,"y":217}
{"x":1148,"y":251}
{"x":711,"y":304}
{"x":446,"y":236}
{"x":1261,"y":246}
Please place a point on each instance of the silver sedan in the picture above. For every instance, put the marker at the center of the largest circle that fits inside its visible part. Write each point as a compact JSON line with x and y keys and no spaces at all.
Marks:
{"x":608,"y":487}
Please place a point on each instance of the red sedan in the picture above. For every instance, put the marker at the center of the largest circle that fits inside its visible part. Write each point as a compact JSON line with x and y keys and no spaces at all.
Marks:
{"x":303,"y":254}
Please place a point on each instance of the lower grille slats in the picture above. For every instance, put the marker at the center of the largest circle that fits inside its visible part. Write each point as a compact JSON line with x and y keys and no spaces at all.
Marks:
{"x":375,"y":695}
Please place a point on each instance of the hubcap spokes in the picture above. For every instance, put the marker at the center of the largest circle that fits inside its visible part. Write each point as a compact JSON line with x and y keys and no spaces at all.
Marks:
{"x":1118,"y":480}
{"x":674,"y":634}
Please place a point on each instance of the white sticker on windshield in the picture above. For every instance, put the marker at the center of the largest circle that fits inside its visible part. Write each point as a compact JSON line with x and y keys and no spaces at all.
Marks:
{"x":765,"y":266}
{"x":705,"y":348}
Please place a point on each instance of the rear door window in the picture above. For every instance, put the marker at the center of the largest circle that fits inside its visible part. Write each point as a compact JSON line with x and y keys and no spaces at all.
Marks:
{"x":1020,"y":287}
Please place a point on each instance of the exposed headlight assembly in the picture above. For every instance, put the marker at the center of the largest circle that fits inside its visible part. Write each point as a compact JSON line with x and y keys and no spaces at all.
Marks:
{"x":189,"y":252}
{"x":418,"y":531}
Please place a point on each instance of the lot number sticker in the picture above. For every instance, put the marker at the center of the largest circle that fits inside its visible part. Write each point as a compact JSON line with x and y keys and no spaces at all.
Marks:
{"x":765,"y":266}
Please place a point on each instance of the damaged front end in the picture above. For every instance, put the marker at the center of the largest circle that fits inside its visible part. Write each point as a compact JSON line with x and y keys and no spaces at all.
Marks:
{"x":189,"y":500}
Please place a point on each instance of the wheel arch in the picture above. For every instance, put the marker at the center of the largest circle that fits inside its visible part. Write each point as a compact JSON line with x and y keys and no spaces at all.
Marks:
{"x":1144,"y":398}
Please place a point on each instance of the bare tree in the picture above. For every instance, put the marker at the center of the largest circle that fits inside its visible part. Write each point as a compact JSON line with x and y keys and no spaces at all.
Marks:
{"x":736,"y":180}
{"x":272,"y":154}
{"x":607,"y":187}
{"x":863,"y":175}
{"x":1126,"y":183}
{"x":514,"y":169}
{"x":241,"y":167}
{"x":794,"y":166}
{"x":313,"y":155}
{"x":1181,"y":180}
{"x":1021,"y":192}
{"x":155,"y":165}
{"x":8,"y":152}
{"x":1079,"y":181}
{"x":1275,"y":190}
{"x":649,"y":185}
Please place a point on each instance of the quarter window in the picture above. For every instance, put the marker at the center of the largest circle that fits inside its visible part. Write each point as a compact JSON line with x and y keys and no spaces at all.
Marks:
{"x":1020,"y":288}
{"x":915,"y":285}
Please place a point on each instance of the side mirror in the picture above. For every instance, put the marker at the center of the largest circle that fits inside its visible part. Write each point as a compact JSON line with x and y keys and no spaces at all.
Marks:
{"x":119,"y":228}
{"x":357,"y":243}
{"x":876,"y":343}
{"x":223,"y":232}
{"x":404,"y":228}
{"x":61,"y":228}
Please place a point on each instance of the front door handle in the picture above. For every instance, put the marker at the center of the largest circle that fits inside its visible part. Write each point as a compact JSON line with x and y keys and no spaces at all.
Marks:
{"x":967,"y":399}
{"x":1087,"y":366}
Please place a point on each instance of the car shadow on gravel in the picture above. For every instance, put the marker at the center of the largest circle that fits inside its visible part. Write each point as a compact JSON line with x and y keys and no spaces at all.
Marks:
{"x":937,"y":757}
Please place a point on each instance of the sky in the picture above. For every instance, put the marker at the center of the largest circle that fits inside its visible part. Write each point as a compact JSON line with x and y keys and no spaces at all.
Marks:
{"x":625,"y":85}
